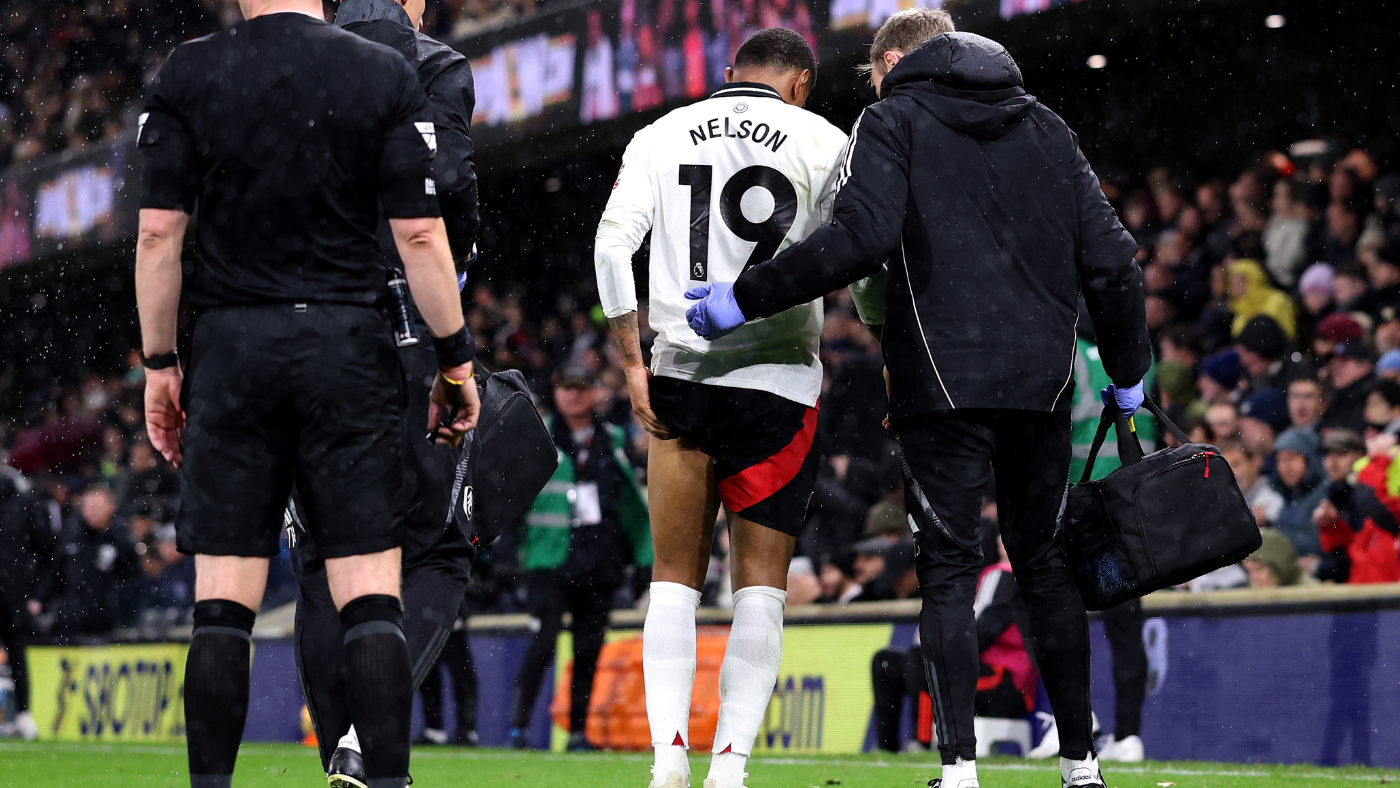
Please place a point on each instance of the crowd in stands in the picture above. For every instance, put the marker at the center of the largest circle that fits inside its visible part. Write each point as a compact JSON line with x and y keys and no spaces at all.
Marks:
{"x":72,"y":72}
{"x":1274,"y":303}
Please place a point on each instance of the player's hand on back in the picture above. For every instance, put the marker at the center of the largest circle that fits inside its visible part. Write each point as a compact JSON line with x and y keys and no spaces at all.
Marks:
{"x":165,"y":420}
{"x":639,"y":389}
{"x":454,"y":393}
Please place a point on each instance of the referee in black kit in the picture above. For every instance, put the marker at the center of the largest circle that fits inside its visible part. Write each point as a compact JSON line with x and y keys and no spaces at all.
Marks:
{"x":437,"y":548}
{"x":993,"y":225}
{"x":289,"y":137}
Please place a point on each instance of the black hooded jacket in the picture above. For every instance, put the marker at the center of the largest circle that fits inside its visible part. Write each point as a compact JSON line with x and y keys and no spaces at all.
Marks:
{"x":990,"y":225}
{"x":447,"y":79}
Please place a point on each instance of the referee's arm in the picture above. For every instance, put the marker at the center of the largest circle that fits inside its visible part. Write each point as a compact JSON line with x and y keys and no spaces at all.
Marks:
{"x":169,"y":190}
{"x":866,"y":226}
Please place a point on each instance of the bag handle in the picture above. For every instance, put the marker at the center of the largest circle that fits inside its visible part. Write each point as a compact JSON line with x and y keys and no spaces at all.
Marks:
{"x":1129,"y":448}
{"x":1129,"y":451}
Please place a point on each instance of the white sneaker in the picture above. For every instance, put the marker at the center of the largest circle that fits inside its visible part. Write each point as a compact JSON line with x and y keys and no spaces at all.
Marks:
{"x":673,"y":780}
{"x":1083,"y":774}
{"x":1128,"y":750}
{"x":1049,"y":746}
{"x":434,"y":736}
{"x":24,"y":723}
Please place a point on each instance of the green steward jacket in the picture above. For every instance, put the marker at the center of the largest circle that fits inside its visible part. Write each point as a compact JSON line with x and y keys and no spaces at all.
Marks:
{"x":549,"y":522}
{"x":1089,"y":379}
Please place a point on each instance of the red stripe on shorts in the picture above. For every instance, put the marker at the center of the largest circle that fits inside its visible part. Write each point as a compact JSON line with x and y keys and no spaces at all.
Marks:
{"x":757,"y":482}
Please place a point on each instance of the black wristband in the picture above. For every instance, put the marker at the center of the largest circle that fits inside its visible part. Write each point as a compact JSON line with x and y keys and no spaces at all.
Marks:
{"x":160,"y":360}
{"x":454,"y":350}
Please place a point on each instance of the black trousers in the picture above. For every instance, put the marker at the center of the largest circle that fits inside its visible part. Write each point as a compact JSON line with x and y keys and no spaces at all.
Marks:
{"x":14,"y":631}
{"x":431,"y":595}
{"x":457,"y":658}
{"x":551,"y":596}
{"x":952,"y":456}
{"x":1123,"y":625}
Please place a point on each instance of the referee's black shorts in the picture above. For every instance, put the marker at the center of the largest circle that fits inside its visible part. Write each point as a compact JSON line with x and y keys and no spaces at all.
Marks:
{"x":304,"y":392}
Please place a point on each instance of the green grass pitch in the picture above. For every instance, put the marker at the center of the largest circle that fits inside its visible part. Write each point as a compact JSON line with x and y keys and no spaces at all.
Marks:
{"x":276,"y":766}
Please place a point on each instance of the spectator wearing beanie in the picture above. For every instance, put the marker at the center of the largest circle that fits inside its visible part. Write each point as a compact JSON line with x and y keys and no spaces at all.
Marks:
{"x":1388,"y":367}
{"x":1263,"y":415}
{"x":1317,"y":287}
{"x":1333,"y":330}
{"x":1251,"y":296}
{"x":1274,"y":564}
{"x":1299,"y":477}
{"x":1220,"y":378}
{"x":1264,"y":352}
{"x":1351,"y":370}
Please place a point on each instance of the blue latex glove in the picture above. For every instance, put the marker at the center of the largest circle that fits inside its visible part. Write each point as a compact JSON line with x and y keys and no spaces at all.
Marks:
{"x":1128,"y":400}
{"x":717,"y":313}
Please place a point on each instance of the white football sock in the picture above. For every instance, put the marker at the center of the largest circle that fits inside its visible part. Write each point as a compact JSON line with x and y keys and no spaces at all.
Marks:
{"x":350,"y":741}
{"x":961,"y":774}
{"x":668,"y":672}
{"x":751,"y":660}
{"x":1080,"y":772}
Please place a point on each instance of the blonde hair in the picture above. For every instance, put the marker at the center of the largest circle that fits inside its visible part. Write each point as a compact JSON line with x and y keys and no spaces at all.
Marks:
{"x":905,"y":31}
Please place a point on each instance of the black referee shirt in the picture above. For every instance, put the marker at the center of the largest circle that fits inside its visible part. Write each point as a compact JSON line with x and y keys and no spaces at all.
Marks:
{"x":289,"y":136}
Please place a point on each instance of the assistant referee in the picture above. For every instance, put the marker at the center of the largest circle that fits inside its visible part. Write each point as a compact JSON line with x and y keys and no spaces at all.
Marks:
{"x":289,"y":136}
{"x":993,"y":225}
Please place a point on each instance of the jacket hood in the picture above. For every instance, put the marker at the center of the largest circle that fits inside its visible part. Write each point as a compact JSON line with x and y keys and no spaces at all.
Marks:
{"x":968,"y":82}
{"x":352,"y":11}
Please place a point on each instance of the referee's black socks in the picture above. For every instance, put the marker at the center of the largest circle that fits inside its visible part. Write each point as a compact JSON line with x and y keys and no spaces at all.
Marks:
{"x":216,"y":689}
{"x":378,"y":686}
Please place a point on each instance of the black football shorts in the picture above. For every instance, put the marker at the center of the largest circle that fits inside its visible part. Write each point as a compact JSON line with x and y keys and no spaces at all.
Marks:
{"x":304,"y":392}
{"x":764,"y":446}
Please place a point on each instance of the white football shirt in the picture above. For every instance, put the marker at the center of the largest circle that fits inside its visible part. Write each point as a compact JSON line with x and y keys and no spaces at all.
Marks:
{"x":721,"y":184}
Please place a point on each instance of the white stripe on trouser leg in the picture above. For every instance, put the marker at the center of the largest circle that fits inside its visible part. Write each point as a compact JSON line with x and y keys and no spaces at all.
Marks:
{"x":746,"y":679}
{"x":668,"y":670}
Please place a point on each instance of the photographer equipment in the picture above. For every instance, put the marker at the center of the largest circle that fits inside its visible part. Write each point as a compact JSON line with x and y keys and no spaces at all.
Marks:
{"x":404,"y":335}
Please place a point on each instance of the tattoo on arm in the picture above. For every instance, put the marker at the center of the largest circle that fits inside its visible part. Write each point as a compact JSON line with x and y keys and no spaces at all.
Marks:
{"x":629,"y":341}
